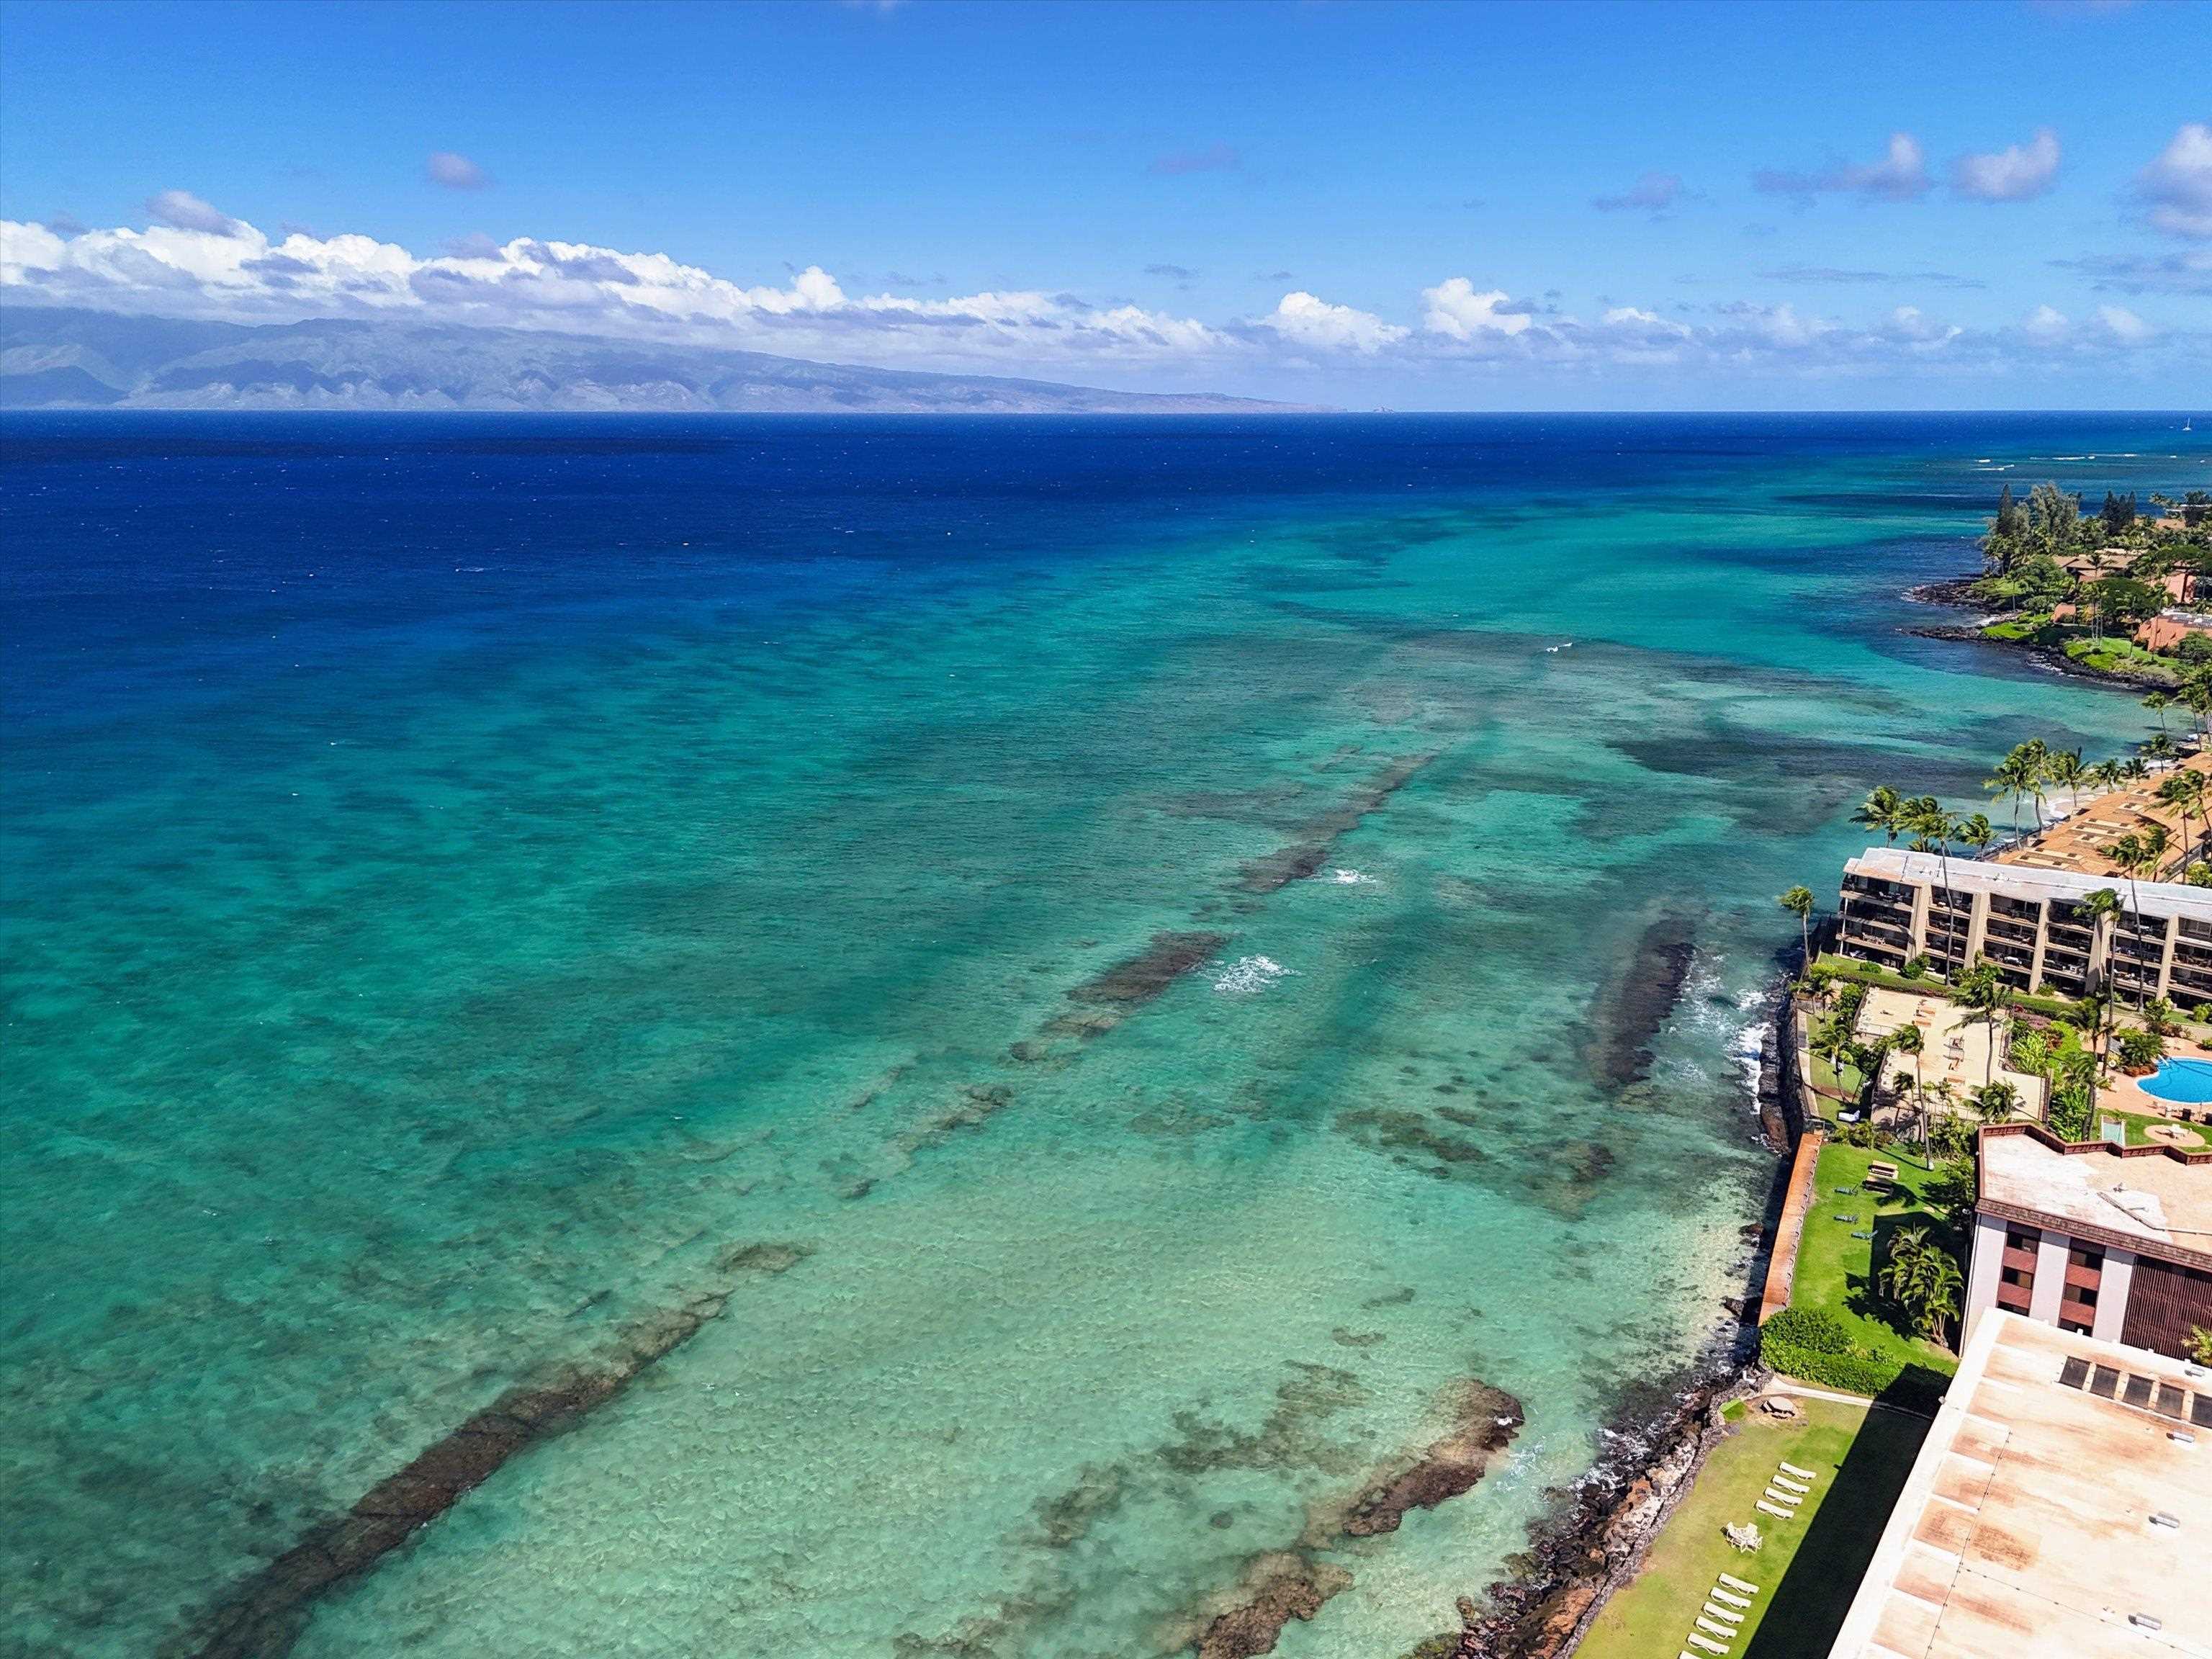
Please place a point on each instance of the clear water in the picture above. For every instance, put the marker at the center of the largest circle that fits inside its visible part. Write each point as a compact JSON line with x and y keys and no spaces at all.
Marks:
{"x":2188,"y":1081}
{"x":462,"y":875}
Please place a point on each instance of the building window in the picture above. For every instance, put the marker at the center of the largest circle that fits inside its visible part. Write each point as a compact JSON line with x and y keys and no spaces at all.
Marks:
{"x":2078,"y":1326}
{"x":2016,"y":1276}
{"x":2022,"y":1238}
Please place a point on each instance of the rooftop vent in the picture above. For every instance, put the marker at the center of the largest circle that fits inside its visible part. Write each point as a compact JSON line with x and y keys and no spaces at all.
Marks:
{"x":2166,"y":1518}
{"x":2181,"y":1436}
{"x":2144,"y":1621}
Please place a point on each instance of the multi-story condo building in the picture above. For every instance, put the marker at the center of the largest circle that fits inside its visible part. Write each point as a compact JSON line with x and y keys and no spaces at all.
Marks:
{"x":2113,"y":1241}
{"x":1897,"y":905}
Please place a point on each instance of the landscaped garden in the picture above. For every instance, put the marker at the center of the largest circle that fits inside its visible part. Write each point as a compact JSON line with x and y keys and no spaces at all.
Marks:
{"x":1809,"y":1567}
{"x":1842,"y":1329}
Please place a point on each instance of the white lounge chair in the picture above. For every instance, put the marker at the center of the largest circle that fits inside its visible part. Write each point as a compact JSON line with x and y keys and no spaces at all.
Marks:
{"x":1789,"y":1485}
{"x":1721,"y":1631}
{"x":1775,"y":1510}
{"x":1706,"y":1642}
{"x":1722,"y":1614}
{"x":1788,"y":1500}
{"x":1729,"y":1596}
{"x":1803,"y":1475}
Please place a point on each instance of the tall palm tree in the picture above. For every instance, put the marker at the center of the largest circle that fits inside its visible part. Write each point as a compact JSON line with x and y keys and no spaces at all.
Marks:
{"x":2063,"y":767}
{"x":2107,"y":774}
{"x":1924,"y":820}
{"x":2184,"y":792}
{"x":1879,"y":811}
{"x":1907,"y":1040}
{"x":1798,"y":901}
{"x":2100,"y":906}
{"x":2157,"y":746}
{"x":2158,"y":703}
{"x":1975,"y":831}
{"x":1983,"y":990}
{"x":1995,"y":1102}
{"x":2020,"y":774}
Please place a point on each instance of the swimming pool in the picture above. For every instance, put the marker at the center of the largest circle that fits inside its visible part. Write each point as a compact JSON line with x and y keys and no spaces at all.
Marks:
{"x":2187,"y":1080}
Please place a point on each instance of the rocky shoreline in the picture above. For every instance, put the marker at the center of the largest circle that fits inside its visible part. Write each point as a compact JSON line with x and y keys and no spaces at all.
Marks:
{"x":1593,"y":1536}
{"x":1956,"y":591}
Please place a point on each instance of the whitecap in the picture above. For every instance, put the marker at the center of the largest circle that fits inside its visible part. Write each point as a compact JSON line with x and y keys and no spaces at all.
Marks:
{"x":1249,"y":975}
{"x":1350,"y":878}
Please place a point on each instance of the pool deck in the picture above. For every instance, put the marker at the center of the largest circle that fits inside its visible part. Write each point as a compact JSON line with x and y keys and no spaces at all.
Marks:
{"x":2126,"y":1094}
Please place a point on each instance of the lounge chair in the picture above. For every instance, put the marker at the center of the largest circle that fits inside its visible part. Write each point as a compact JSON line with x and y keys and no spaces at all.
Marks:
{"x":1729,"y":1596}
{"x":1721,"y":1631}
{"x":1774,"y":1509}
{"x":1711,"y":1610}
{"x":1789,"y":1467}
{"x":1707,"y":1643}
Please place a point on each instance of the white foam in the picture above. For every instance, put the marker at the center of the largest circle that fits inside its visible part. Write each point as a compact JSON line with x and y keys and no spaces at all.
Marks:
{"x":1249,"y":975}
{"x":1350,"y":878}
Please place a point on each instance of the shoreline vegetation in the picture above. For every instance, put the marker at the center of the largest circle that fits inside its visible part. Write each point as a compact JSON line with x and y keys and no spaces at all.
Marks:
{"x":2072,"y":590}
{"x":2110,"y":594}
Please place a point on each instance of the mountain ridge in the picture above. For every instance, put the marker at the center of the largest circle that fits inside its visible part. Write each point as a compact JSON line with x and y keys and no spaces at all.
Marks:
{"x":53,"y":357}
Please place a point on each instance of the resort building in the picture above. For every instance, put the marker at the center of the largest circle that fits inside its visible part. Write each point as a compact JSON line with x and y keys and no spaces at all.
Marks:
{"x":1896,"y":906}
{"x":2105,"y":1241}
{"x":2058,"y":1510}
{"x":2166,"y":631}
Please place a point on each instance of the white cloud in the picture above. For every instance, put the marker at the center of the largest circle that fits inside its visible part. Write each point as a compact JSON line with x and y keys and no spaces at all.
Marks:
{"x":2046,"y":324}
{"x":2015,"y":173}
{"x":454,"y":172}
{"x":1912,"y":327}
{"x":1900,"y":176}
{"x":2124,"y":326}
{"x":1455,"y":309}
{"x":2177,"y":185}
{"x":183,"y":211}
{"x":1313,"y":321}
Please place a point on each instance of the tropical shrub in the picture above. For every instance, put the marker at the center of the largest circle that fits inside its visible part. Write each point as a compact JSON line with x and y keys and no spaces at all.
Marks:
{"x":1916,"y":968}
{"x":2142,"y":1050}
{"x":1812,"y":1344}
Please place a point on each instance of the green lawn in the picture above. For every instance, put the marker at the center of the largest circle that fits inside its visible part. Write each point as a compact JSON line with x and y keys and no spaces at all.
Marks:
{"x":1850,"y":1082}
{"x":2138,"y":1125}
{"x":1808,"y":1567}
{"x":1835,"y":1271}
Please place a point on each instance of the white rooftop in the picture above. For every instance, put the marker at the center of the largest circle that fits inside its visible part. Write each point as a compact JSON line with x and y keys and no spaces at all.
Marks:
{"x":2027,"y":1528}
{"x":2158,"y":1204}
{"x":2021,"y":881}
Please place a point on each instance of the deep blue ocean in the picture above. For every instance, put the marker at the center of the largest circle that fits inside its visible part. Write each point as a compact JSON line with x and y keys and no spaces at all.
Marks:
{"x":477,"y":888}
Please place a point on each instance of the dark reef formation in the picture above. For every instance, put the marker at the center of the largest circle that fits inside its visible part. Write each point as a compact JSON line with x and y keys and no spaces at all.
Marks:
{"x":1628,"y":1021}
{"x":1304,"y":856}
{"x":264,"y":1616}
{"x":1106,"y":999}
{"x":1275,"y":1589}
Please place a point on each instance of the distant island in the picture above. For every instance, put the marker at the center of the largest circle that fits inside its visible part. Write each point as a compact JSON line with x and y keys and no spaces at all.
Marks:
{"x":59,"y":358}
{"x":2120,"y":594}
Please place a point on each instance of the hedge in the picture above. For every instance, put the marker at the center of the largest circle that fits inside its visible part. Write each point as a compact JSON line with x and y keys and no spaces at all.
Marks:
{"x":1811,"y":1343}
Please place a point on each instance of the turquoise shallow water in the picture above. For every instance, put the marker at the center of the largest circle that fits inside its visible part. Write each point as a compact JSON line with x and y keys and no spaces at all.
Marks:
{"x":464,"y":879}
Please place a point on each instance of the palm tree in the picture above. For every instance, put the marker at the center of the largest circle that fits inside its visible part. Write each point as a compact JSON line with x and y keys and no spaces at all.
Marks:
{"x":2018,"y":775}
{"x":1995,"y":1102}
{"x":1907,"y":1040}
{"x":2107,"y":774}
{"x":1925,"y":820}
{"x":2064,"y":768}
{"x":2157,"y":746}
{"x":1982,"y":988}
{"x":1922,"y":1279}
{"x":1879,"y":811}
{"x":1975,"y":831}
{"x":2158,"y":703}
{"x":2184,"y":792}
{"x":2100,"y":906}
{"x":2136,"y":853}
{"x":1798,"y":902}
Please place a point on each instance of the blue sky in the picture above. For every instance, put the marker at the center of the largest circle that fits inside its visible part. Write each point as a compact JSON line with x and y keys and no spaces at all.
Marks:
{"x":1426,"y":205}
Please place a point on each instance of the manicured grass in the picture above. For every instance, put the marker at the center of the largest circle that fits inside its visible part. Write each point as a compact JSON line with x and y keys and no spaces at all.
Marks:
{"x":2138,"y":1126}
{"x":2110,"y":654}
{"x":1850,"y":1082}
{"x":1808,"y":1567}
{"x":1835,"y":1271}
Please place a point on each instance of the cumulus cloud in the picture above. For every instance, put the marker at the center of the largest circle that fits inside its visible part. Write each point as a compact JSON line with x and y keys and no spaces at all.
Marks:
{"x":1312,"y":321}
{"x":2017,"y":172}
{"x":1900,"y":176}
{"x":182,"y":210}
{"x":454,"y":172}
{"x":1653,"y":192}
{"x":1456,"y":311}
{"x":1217,"y":158}
{"x":238,"y":273}
{"x":2124,"y":326}
{"x":2177,"y":186}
